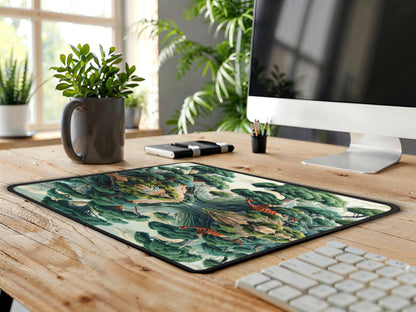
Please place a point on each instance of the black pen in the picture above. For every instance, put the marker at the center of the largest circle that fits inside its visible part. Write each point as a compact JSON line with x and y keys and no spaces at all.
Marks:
{"x":265,"y":128}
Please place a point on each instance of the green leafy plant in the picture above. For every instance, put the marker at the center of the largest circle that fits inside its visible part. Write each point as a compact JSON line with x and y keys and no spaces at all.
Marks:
{"x":226,"y":63}
{"x":277,"y":84}
{"x":137,"y":99}
{"x":15,"y":82}
{"x":83,"y":74}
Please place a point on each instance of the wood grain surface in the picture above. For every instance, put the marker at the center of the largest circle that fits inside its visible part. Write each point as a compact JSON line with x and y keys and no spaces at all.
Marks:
{"x":43,"y":138}
{"x":51,"y":263}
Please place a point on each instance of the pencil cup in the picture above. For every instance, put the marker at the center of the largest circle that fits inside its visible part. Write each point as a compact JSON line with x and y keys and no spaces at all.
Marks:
{"x":258,"y":143}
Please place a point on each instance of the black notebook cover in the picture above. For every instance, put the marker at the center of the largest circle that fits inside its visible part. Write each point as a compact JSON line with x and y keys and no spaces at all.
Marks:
{"x":188,"y":149}
{"x":197,"y":217}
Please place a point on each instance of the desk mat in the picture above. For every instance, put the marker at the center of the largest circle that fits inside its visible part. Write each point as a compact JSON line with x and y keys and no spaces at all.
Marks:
{"x":198,"y":217}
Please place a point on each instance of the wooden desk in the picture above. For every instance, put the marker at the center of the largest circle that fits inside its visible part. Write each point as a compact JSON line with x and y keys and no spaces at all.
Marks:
{"x":54,"y":137}
{"x":51,"y":263}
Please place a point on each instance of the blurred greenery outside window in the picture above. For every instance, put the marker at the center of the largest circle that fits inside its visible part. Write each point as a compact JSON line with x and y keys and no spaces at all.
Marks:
{"x":44,"y":29}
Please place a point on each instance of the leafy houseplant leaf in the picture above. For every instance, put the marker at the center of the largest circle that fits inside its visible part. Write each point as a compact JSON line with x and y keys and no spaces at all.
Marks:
{"x":63,"y":58}
{"x":62,"y":86}
{"x":89,"y":75}
{"x":233,"y":20}
{"x":227,"y":63}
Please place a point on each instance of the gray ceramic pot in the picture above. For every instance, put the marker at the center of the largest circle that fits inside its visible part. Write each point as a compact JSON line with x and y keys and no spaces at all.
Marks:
{"x":93,"y":130}
{"x":133,"y":115}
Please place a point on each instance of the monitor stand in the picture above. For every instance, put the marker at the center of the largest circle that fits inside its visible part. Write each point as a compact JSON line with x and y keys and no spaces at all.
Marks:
{"x":366,"y":154}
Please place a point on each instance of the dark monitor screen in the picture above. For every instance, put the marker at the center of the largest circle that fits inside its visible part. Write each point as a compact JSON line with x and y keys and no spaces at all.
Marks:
{"x":351,"y":51}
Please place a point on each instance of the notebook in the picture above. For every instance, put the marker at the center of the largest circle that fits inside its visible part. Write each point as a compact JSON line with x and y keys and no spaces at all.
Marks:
{"x":198,"y":217}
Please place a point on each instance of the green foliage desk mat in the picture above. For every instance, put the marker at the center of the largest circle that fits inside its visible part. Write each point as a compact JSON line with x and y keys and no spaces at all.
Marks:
{"x":197,"y":217}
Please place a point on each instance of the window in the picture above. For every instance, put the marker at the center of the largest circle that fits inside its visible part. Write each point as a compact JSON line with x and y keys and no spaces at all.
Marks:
{"x":44,"y":29}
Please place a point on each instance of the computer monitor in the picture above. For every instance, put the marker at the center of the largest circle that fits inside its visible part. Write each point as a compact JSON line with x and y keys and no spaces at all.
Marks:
{"x":339,"y":65}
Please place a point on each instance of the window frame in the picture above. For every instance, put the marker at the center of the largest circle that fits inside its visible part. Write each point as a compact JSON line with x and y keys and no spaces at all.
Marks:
{"x":37,"y":16}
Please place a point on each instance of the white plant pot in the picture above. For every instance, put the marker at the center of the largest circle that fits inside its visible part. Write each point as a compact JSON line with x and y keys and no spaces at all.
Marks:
{"x":14,"y":120}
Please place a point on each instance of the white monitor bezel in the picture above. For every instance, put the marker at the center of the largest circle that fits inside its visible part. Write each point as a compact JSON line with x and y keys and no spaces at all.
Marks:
{"x":382,"y":120}
{"x":374,"y":129}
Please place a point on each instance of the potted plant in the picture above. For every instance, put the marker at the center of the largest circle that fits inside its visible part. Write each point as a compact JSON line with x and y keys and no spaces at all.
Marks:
{"x":15,"y":85}
{"x":135,"y":104}
{"x":226,"y":64}
{"x":93,"y":122}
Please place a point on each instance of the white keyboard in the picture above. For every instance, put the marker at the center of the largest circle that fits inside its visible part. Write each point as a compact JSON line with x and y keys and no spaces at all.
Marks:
{"x":335,"y":278}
